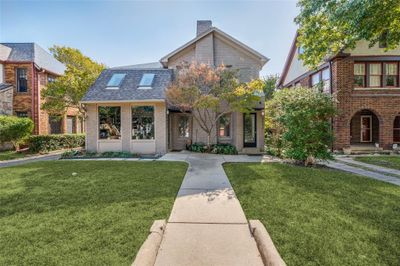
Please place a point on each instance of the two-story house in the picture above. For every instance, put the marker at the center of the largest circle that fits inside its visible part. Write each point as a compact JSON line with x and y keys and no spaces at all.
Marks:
{"x":366,"y":82}
{"x":25,"y":70}
{"x":127,"y":108}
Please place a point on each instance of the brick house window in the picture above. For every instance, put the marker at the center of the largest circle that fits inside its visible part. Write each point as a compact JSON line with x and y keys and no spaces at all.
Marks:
{"x":22,"y":80}
{"x":396,"y":130}
{"x":315,"y":79}
{"x":21,"y":114}
{"x":224,"y":129}
{"x":390,"y":74}
{"x":359,"y":74}
{"x":109,"y":122}
{"x":374,"y":74}
{"x":50,"y":78}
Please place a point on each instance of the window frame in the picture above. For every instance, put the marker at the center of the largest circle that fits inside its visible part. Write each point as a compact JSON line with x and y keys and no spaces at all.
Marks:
{"x":319,"y":77}
{"x":99,"y":121}
{"x":229,"y":136}
{"x":115,"y":86}
{"x":364,"y":76}
{"x":154,"y":123}
{"x":382,"y":75}
{"x":18,"y":79}
{"x":375,"y":75}
{"x":396,"y":128}
{"x":396,"y":85}
{"x":142,"y":79}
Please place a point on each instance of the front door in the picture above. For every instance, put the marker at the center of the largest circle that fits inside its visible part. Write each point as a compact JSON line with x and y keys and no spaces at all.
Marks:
{"x":250,"y":130}
{"x":181,"y":131}
{"x":366,"y":128}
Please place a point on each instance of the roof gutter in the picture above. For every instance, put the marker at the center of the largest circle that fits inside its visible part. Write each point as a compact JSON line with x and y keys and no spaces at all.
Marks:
{"x":124,"y":101}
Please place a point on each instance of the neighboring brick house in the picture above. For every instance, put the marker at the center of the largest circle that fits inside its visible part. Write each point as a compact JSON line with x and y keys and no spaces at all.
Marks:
{"x":127,"y":109}
{"x":366,"y":81}
{"x":25,"y":70}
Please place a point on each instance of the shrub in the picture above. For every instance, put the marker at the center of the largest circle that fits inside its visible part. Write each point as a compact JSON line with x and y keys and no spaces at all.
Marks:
{"x":223,"y":149}
{"x":46,"y":143}
{"x":299,"y":125}
{"x":197,"y":147}
{"x":14,"y":129}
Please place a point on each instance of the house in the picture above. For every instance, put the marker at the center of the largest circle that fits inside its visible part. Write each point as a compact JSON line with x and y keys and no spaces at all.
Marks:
{"x":127,"y":109}
{"x":366,"y":81}
{"x":25,"y":70}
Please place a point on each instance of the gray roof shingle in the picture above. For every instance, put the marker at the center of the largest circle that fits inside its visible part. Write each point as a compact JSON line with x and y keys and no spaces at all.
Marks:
{"x":31,"y":52}
{"x":129,"y":89}
{"x":4,"y":86}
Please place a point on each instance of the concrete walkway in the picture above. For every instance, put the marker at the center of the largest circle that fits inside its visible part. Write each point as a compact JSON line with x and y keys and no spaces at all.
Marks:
{"x":373,"y":167}
{"x":207,"y":225}
{"x":44,"y":157}
{"x":360,"y":171}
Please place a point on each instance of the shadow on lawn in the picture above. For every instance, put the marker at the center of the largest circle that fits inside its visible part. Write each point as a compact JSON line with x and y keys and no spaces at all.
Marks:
{"x":37,"y":187}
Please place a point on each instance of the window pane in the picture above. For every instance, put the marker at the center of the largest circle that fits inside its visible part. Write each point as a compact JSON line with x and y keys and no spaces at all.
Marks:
{"x":390,"y":81}
{"x":147,"y":80}
{"x":396,"y":130}
{"x":143,"y":122}
{"x":359,"y":81}
{"x":375,"y":69}
{"x":325,"y":74}
{"x":115,"y":80}
{"x":359,"y":69}
{"x":22,"y":114}
{"x":315,"y":79}
{"x":225,"y":126}
{"x":374,"y":81}
{"x":390,"y":69}
{"x":22,"y":80}
{"x":183,"y":126}
{"x":109,"y":122}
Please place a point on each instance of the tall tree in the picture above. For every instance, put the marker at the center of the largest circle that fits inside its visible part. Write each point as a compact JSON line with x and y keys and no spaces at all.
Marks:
{"x":67,"y":90}
{"x":208,"y":93}
{"x":270,"y":85}
{"x":326,"y":27}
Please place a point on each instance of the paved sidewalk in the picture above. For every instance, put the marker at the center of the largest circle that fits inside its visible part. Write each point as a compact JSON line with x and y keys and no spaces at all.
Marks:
{"x":44,"y":157}
{"x":360,"y":171}
{"x":373,"y":167}
{"x":207,"y":225}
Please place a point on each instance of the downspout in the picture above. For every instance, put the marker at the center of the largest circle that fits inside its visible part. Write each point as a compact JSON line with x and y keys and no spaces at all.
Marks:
{"x":331,"y":91}
{"x":33,"y":99}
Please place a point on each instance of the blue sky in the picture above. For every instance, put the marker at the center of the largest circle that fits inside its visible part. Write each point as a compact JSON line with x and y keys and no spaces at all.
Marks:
{"x":130,"y":32}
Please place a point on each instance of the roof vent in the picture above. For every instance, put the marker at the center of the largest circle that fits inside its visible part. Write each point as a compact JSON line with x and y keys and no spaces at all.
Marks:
{"x":203,"y":26}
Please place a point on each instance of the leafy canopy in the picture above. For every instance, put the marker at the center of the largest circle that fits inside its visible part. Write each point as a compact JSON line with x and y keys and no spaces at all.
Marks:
{"x":66,"y":91}
{"x":270,"y":82}
{"x":299,"y":123}
{"x":326,"y":27}
{"x":208,"y":93}
{"x":14,"y":129}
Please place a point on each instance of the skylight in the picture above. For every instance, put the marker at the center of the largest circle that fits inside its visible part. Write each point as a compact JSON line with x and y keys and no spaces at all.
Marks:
{"x":116,"y":80}
{"x":147,"y":80}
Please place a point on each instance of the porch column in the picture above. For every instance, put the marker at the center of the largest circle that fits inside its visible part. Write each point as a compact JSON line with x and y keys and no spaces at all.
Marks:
{"x":126,"y":127}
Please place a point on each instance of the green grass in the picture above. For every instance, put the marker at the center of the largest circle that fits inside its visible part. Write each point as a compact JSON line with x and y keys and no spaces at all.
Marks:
{"x":82,"y":212}
{"x":319,"y":216}
{"x":385,"y":161}
{"x":10,"y":155}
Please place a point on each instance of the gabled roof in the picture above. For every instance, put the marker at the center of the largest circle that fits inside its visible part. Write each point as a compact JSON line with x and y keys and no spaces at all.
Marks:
{"x":152,"y":65}
{"x":288,"y":61}
{"x":129,"y":90}
{"x":262,"y":58}
{"x":30,"y":52}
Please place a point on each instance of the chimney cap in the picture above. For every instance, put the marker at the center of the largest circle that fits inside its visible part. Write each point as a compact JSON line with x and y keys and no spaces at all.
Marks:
{"x":203,"y":26}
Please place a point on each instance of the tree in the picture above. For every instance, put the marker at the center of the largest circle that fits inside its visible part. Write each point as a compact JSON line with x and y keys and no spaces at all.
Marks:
{"x":208,"y":93}
{"x":67,"y":90}
{"x":299,"y":122}
{"x":326,"y":27}
{"x":270,"y":85}
{"x":14,"y":129}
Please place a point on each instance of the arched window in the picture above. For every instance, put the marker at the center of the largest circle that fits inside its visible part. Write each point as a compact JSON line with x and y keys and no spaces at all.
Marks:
{"x":396,"y":130}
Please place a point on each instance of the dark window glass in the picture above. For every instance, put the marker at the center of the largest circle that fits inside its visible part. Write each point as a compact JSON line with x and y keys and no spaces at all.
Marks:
{"x":183,"y":126}
{"x":21,"y":114}
{"x":50,"y":78}
{"x":109,"y":122}
{"x":396,"y":130}
{"x":143,"y":122}
{"x":22,"y":80}
{"x":55,"y":124}
{"x":225,"y":126}
{"x":147,"y":80}
{"x":390,"y":74}
{"x":359,"y":74}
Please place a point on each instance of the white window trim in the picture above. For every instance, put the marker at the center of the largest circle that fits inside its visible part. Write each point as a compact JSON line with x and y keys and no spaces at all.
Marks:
{"x":155,"y":124}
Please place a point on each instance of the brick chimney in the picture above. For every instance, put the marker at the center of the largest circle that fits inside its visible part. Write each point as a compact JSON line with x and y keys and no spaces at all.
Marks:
{"x":202,"y":26}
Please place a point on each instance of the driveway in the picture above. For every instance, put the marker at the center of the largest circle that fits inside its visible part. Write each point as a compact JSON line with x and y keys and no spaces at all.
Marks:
{"x":207,"y":225}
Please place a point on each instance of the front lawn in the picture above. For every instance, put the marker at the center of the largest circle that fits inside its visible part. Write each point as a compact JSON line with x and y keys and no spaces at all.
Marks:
{"x":82,"y":212}
{"x":11,"y":155}
{"x":381,"y":160}
{"x":319,"y":216}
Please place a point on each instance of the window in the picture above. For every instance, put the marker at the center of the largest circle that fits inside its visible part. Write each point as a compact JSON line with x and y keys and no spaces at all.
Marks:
{"x":359,"y":74}
{"x":71,"y":124}
{"x":147,"y":80}
{"x":326,"y":80}
{"x":375,"y":74}
{"x":50,"y":78}
{"x":390,"y":74}
{"x":116,"y":80}
{"x":183,"y":126}
{"x":109,"y":122}
{"x":396,"y":130}
{"x":143,"y":122}
{"x":22,"y":80}
{"x":55,"y":124}
{"x":315,"y":79}
{"x":224,"y":129}
{"x":21,"y":114}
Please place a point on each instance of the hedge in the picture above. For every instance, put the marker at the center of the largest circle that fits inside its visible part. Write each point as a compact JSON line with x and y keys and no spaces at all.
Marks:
{"x":46,"y":143}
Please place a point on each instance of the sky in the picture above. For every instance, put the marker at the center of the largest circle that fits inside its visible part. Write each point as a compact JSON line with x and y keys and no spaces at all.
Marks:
{"x":119,"y":33}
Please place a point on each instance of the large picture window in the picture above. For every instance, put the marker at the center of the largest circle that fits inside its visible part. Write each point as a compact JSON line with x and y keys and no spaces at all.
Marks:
{"x":143,"y":122}
{"x":376,"y":74}
{"x":109,"y":122}
{"x":22,"y":80}
{"x":224,"y":129}
{"x":390,"y":75}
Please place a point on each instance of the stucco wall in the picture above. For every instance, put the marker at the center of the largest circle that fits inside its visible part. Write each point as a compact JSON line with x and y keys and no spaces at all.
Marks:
{"x":125,"y":143}
{"x":362,"y":48}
